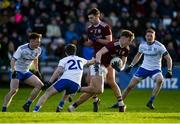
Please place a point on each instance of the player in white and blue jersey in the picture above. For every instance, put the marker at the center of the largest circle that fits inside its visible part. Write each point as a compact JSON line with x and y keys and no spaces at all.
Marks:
{"x":153,"y":52}
{"x":24,"y":56}
{"x":69,"y":73}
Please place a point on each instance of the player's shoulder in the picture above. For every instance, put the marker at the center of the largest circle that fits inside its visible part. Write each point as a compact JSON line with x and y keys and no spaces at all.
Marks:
{"x":143,"y":44}
{"x":103,"y":24}
{"x":24,"y":46}
{"x":66,"y":58}
{"x":157,"y":43}
{"x":128,"y":48}
{"x":80,"y":58}
{"x":39,"y":49}
{"x":111,"y":44}
{"x":71,"y":57}
{"x":90,"y":26}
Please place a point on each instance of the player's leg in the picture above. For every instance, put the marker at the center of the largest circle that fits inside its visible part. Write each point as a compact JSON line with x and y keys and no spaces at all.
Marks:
{"x":158,"y":78}
{"x":96,"y":86}
{"x":98,"y":83}
{"x":61,"y":103}
{"x":58,"y":86}
{"x":111,"y":81}
{"x":89,"y":76}
{"x":98,"y":73}
{"x":140,"y":74}
{"x":84,"y":97}
{"x":14,"y":85}
{"x":49,"y":92}
{"x":34,"y":81}
{"x":134,"y":81}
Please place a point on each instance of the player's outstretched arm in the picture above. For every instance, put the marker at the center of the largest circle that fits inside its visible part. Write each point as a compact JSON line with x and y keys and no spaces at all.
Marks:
{"x":105,"y":41}
{"x":169,"y":65}
{"x":100,"y":53}
{"x":136,"y":58}
{"x":14,"y":72}
{"x":124,"y":60}
{"x":134,"y":61}
{"x":91,"y":62}
{"x":13,"y":60}
{"x":36,"y":66}
{"x":59,"y":70}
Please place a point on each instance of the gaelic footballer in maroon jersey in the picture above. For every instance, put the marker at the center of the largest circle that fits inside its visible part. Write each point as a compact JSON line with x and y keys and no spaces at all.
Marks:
{"x":115,"y":50}
{"x":120,"y":48}
{"x":99,"y":33}
{"x":96,"y":32}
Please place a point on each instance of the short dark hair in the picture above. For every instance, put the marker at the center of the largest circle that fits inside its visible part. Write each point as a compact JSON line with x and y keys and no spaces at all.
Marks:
{"x":70,"y":49}
{"x":94,"y":11}
{"x":127,"y":33}
{"x":150,"y":30}
{"x":34,"y":35}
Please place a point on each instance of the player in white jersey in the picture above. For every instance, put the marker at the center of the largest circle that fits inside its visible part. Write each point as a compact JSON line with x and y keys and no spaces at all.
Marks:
{"x":71,"y":70}
{"x":153,"y":52}
{"x":20,"y":63}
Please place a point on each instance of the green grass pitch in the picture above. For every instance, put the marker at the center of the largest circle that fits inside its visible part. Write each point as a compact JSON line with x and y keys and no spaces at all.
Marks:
{"x":167,"y":109}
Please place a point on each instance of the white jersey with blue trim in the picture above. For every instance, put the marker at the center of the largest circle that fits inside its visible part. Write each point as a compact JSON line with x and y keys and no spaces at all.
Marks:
{"x":152,"y":55}
{"x":73,"y":68}
{"x":24,"y":56}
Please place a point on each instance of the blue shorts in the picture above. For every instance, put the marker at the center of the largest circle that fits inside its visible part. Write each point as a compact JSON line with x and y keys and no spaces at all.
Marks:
{"x":68,"y":85}
{"x":23,"y":76}
{"x":143,"y":73}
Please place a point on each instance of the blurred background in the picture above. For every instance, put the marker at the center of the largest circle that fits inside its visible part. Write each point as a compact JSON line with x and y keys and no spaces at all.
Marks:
{"x":65,"y":21}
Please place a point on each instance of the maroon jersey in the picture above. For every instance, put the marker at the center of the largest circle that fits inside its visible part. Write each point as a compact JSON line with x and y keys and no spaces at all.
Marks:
{"x":114,"y":50}
{"x":100,"y":32}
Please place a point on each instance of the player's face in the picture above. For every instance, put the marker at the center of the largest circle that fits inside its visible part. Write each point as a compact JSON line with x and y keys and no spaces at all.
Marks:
{"x":125,"y":41}
{"x":35,"y":43}
{"x":150,"y":37}
{"x":93,"y":19}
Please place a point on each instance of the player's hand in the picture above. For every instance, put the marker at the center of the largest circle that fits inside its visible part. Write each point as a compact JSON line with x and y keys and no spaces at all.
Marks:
{"x":128,"y":69}
{"x":38,"y":74}
{"x":93,"y":38}
{"x":115,"y":65}
{"x":169,"y":74}
{"x":96,"y":67}
{"x":14,"y":75}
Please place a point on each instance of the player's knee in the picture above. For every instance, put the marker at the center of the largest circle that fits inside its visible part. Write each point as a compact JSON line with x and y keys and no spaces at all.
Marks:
{"x":109,"y":79}
{"x":13,"y":91}
{"x":39,"y":85}
{"x":87,"y":80}
{"x":159,"y":81}
{"x":47,"y":94}
{"x":111,"y":82}
{"x":133,"y":83}
{"x":130,"y":87}
{"x":99,"y":91}
{"x":102,"y":90}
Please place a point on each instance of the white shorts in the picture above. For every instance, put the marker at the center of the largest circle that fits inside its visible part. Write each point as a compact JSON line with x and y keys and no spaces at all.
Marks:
{"x":143,"y":73}
{"x":102,"y":71}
